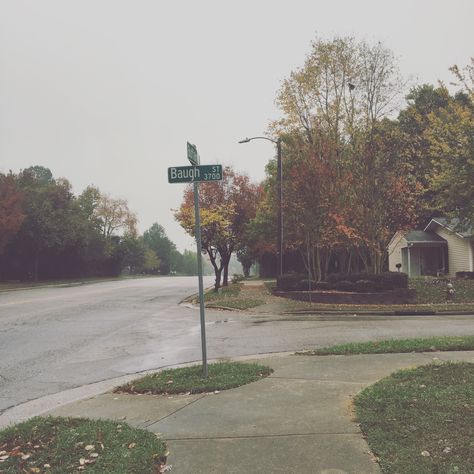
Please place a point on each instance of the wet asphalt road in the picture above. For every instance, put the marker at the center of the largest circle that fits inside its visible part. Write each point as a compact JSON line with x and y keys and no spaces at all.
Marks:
{"x":53,"y":339}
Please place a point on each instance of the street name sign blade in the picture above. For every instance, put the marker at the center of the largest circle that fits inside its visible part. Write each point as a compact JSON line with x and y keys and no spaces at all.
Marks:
{"x":190,"y":174}
{"x":193,"y":156}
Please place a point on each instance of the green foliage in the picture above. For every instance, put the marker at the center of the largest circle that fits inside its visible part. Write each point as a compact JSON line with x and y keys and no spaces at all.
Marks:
{"x":157,"y":240}
{"x":236,"y":278}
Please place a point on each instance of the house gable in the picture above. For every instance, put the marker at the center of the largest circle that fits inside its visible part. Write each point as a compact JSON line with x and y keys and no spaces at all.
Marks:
{"x":460,"y":248}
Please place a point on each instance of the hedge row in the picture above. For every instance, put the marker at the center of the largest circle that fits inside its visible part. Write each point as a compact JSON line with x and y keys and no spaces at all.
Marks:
{"x":467,"y":275}
{"x":356,"y":282}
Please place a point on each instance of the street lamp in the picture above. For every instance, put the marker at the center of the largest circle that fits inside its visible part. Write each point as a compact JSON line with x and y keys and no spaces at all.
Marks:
{"x":279,"y":198}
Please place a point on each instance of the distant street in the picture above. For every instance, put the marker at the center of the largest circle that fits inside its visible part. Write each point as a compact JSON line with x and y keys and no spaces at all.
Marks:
{"x":53,"y":339}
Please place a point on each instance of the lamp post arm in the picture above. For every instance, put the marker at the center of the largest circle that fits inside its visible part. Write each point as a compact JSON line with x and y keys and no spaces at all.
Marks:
{"x":246,"y":140}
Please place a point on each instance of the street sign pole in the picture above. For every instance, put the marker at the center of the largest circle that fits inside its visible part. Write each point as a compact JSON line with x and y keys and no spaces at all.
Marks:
{"x":201,"y":286}
{"x":195,"y":174}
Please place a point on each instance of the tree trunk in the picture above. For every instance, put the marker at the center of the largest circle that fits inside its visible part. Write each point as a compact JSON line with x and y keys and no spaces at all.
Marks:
{"x":246,"y":269}
{"x":225,"y":280}
{"x":217,"y":283}
{"x":36,"y":267}
{"x":225,"y":259}
{"x":217,"y":270}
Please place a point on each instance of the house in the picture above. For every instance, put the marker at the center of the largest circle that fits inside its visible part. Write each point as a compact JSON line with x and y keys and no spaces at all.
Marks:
{"x":440,"y":249}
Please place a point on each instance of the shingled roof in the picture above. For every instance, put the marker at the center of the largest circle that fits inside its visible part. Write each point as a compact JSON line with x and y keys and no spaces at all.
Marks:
{"x":453,"y":225}
{"x":420,"y":236}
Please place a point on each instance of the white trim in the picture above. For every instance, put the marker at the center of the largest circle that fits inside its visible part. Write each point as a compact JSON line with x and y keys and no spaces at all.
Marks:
{"x":439,"y":242}
{"x":408,"y":259}
{"x":445,"y":226}
{"x":397,"y":234}
{"x":471,"y":258}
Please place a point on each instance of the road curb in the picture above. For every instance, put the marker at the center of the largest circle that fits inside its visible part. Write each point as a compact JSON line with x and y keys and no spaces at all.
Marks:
{"x":41,"y":405}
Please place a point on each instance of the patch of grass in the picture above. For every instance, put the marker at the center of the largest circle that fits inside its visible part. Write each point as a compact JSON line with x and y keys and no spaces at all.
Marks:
{"x":270,"y":285}
{"x":428,"y":344}
{"x":222,"y":376}
{"x":58,"y":445}
{"x":237,"y":303}
{"x":224,"y":293}
{"x":419,"y":421}
{"x":433,"y":290}
{"x":233,"y":296}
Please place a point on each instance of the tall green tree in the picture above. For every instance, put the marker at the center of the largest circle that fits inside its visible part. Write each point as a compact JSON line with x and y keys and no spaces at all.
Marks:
{"x":52,"y":219}
{"x":157,"y":240}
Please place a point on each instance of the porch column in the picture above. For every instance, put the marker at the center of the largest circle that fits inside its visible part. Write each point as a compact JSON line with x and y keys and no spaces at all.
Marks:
{"x":408,"y":258}
{"x":443,"y":259}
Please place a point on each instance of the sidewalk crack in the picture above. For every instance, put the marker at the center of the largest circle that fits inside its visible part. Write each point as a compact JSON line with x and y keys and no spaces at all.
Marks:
{"x":146,"y":424}
{"x":284,"y":435}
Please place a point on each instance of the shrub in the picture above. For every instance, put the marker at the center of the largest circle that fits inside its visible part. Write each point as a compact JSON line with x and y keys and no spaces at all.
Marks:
{"x":345,"y":285}
{"x":305,"y":285}
{"x":237,"y":277}
{"x":290,"y":281}
{"x":322,"y":285}
{"x":466,"y":275}
{"x":365,"y":286}
{"x":381,"y":281}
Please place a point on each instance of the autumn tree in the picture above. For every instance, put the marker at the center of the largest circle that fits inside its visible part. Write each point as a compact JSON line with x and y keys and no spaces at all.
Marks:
{"x":332,"y":108}
{"x":226,"y":208}
{"x":11,"y":209}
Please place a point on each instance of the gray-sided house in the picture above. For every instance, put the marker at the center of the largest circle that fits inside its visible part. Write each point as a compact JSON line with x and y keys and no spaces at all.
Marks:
{"x":440,"y":249}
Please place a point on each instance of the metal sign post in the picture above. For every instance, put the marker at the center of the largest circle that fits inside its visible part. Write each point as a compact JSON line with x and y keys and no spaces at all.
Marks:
{"x":201,"y":287}
{"x":195,"y":174}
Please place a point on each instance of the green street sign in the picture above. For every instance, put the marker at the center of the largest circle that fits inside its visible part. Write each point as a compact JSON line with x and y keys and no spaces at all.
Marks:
{"x":193,"y":156}
{"x":190,"y":174}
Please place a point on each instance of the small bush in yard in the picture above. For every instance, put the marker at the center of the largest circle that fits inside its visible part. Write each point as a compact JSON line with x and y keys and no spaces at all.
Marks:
{"x":466,"y":275}
{"x":305,"y":285}
{"x":290,"y":281}
{"x":345,"y":285}
{"x":364,"y":286}
{"x":381,"y":282}
{"x":322,"y":285}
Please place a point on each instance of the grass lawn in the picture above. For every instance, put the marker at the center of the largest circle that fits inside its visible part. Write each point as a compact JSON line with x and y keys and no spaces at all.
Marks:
{"x":433,"y":290}
{"x":420,"y":421}
{"x":59,"y":445}
{"x":222,"y":376}
{"x":233,"y":296}
{"x":445,"y":343}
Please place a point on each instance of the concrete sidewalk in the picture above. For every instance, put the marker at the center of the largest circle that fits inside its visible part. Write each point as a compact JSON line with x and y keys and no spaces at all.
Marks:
{"x":299,"y":420}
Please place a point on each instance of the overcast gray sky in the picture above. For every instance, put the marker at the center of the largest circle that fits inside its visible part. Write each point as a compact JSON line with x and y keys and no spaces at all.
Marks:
{"x":107,"y":92}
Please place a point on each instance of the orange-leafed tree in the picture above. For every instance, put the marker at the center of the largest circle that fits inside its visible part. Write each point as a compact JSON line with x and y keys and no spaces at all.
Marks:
{"x":11,"y":210}
{"x":226,"y":207}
